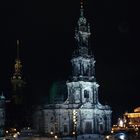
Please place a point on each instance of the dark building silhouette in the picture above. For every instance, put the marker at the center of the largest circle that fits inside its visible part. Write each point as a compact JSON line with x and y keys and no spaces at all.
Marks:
{"x":17,"y":109}
{"x":2,"y":115}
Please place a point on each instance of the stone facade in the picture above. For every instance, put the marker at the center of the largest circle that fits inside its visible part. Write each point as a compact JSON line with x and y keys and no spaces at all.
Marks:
{"x":81,"y":113}
{"x":2,"y":115}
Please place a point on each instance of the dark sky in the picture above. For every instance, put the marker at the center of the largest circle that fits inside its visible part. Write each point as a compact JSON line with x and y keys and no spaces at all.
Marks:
{"x":46,"y":29}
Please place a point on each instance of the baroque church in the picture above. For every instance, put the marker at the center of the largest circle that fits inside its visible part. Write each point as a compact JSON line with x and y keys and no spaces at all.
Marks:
{"x":81,"y":113}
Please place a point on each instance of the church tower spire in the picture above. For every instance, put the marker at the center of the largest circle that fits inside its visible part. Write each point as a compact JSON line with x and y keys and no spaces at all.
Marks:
{"x":83,"y":63}
{"x":17,"y":67}
{"x":18,"y":103}
{"x":82,"y":33}
{"x":83,"y":88}
{"x":17,"y":49}
{"x":17,"y":79}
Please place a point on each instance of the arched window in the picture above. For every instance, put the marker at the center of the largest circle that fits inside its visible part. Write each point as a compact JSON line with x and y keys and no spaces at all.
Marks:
{"x":88,"y":127}
{"x":86,"y":94}
{"x":65,"y":128}
{"x":101,"y":128}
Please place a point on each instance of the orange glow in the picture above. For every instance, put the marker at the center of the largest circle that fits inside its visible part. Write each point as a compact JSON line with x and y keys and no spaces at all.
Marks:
{"x":133,"y":115}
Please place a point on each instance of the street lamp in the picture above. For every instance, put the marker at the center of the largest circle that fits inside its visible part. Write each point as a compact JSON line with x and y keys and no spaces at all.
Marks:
{"x":55,"y":137}
{"x":51,"y":132}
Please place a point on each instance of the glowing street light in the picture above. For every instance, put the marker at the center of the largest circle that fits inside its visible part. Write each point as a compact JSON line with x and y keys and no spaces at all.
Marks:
{"x":55,"y":137}
{"x":51,"y":132}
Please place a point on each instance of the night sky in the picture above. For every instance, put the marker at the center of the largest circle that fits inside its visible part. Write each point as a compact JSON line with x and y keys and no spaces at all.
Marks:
{"x":46,"y":30}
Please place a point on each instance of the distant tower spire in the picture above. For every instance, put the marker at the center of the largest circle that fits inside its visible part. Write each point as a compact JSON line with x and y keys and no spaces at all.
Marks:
{"x":18,"y":97}
{"x":17,"y":49}
{"x":16,"y":80}
{"x":18,"y":65}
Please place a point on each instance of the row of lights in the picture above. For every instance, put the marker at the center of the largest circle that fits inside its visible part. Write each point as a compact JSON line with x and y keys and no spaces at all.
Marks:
{"x":75,"y":122}
{"x":13,"y":133}
{"x":55,"y":137}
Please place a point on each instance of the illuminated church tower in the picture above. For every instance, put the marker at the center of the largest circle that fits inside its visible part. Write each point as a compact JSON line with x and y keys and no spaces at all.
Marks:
{"x":17,"y":80}
{"x":92,"y":117}
{"x":81,"y":115}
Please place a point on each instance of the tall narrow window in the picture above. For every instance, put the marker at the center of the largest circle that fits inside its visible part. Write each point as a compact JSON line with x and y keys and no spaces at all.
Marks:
{"x":86,"y":94}
{"x":65,"y":129}
{"x":101,"y":129}
{"x":56,"y":127}
{"x":88,"y":127}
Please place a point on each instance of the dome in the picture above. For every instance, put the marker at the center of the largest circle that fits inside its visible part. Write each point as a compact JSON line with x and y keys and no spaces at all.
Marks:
{"x":137,"y":110}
